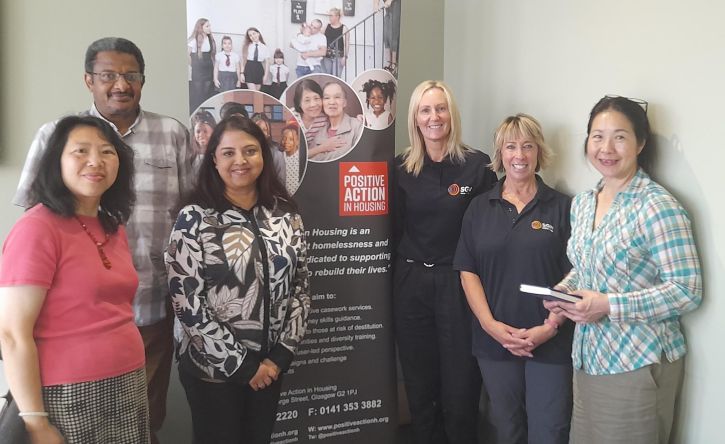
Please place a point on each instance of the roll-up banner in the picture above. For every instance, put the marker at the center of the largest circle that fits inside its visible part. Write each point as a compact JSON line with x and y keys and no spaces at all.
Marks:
{"x":320,"y":77}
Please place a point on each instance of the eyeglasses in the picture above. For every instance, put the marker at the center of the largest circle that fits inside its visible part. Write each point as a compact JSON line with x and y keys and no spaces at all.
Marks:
{"x":112,"y":77}
{"x":640,"y":102}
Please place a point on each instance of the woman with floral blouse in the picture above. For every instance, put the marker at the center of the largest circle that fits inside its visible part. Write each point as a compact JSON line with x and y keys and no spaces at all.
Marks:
{"x":239,"y":285}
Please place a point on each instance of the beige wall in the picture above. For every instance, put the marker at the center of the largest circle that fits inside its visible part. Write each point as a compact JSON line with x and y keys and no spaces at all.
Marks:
{"x":554,"y":59}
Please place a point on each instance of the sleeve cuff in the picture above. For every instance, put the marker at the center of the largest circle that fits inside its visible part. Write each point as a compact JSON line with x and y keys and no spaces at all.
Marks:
{"x":464,"y":267}
{"x":617,"y":306}
{"x":248,"y":369}
{"x":281,"y":356}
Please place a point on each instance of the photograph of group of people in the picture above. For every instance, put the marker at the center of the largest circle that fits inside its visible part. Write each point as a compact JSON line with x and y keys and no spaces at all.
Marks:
{"x":606,"y":367}
{"x":233,"y":45}
{"x":144,"y":239}
{"x":331,"y":112}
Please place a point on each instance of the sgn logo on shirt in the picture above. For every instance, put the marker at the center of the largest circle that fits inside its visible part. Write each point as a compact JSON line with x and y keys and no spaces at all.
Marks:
{"x":538,"y":225}
{"x":455,"y":190}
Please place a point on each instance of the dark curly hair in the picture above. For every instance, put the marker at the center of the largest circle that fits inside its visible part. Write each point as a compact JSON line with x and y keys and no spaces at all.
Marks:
{"x":387,"y":88}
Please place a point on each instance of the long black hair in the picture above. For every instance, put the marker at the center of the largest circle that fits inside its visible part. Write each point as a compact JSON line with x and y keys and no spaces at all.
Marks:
{"x":49,"y":189}
{"x":209,"y":189}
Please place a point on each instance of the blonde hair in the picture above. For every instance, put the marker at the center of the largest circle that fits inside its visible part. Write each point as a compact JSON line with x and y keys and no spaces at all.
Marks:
{"x":335,"y":11}
{"x":414,"y":155}
{"x":520,"y":126}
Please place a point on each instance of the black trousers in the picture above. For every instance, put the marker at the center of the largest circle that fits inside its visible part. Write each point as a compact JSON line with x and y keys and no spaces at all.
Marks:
{"x":230,"y":413}
{"x":433,"y":331}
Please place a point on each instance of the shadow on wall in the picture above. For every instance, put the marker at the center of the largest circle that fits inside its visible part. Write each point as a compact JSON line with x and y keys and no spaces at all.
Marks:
{"x":666,"y":155}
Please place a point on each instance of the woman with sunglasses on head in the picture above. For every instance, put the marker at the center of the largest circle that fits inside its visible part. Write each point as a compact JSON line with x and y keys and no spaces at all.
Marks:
{"x":74,"y":358}
{"x":237,"y":263}
{"x":637,"y":269}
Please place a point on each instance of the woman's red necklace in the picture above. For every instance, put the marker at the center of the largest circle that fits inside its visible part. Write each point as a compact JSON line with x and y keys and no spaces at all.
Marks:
{"x":99,"y":245}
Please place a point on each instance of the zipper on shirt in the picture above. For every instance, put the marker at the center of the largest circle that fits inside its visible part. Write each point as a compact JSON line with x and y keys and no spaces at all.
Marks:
{"x":265,"y":285}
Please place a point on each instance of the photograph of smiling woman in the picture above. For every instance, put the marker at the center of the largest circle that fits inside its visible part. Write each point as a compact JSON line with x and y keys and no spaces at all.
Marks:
{"x":342,"y":131}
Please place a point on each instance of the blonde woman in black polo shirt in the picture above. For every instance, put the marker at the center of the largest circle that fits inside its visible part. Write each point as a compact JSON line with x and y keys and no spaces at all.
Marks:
{"x":435,"y":180}
{"x":517,"y":233}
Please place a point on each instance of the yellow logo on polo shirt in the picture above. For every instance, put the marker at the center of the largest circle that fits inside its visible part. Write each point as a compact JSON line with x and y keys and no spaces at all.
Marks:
{"x":538,"y":225}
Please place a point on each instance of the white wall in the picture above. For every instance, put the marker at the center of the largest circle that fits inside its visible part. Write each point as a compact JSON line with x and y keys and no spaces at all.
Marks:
{"x":554,"y":60}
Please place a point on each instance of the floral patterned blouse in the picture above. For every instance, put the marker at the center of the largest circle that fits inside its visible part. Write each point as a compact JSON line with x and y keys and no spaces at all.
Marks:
{"x":240,"y":289}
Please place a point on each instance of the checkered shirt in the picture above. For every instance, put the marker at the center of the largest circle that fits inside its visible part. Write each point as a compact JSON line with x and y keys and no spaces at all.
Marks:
{"x":643,"y":256}
{"x":162,"y":162}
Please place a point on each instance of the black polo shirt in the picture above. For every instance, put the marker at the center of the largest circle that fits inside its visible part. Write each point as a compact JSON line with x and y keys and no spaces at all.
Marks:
{"x":505,"y":249}
{"x":428,"y":209}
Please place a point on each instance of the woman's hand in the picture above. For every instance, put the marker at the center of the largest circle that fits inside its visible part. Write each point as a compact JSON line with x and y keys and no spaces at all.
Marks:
{"x":41,"y":431}
{"x":593,"y":306}
{"x":267,"y":373}
{"x":331,"y":144}
{"x":535,"y":336}
{"x":507,"y":336}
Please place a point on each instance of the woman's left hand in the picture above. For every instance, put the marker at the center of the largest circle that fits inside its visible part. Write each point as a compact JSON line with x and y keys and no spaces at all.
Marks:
{"x":267,"y":373}
{"x":535,"y":336}
{"x":593,"y":306}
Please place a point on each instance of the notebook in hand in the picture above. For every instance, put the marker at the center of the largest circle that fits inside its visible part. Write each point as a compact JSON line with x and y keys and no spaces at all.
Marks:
{"x":549,"y":294}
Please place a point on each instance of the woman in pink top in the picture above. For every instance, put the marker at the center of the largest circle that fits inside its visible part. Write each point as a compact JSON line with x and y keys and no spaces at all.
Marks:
{"x":73,"y":357}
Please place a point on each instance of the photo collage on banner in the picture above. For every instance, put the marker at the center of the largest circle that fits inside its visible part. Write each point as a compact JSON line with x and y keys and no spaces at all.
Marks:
{"x":320,"y":78}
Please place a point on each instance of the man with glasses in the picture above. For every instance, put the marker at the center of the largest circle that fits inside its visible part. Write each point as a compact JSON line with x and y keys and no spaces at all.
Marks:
{"x":115,"y":77}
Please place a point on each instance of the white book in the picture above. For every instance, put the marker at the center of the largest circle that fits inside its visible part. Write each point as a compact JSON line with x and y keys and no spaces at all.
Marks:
{"x":549,"y":294}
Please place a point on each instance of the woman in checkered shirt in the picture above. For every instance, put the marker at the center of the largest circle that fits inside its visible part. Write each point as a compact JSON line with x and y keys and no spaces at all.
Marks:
{"x":636,"y":266}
